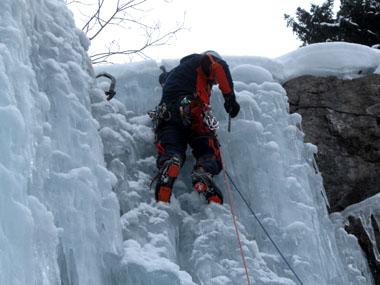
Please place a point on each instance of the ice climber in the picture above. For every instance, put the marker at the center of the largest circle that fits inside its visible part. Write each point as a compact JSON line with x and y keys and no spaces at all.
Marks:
{"x":184,"y":117}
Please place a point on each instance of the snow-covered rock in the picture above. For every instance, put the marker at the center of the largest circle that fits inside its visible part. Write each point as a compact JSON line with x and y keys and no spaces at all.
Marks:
{"x":345,"y":60}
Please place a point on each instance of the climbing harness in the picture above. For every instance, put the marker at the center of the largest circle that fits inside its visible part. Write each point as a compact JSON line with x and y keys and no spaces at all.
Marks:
{"x":185,"y":111}
{"x":226,"y":175}
{"x":159,"y":114}
{"x":111,"y":91}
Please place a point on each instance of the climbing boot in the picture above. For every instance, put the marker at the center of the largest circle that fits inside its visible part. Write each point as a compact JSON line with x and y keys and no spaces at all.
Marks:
{"x":203,"y":183}
{"x":167,"y":175}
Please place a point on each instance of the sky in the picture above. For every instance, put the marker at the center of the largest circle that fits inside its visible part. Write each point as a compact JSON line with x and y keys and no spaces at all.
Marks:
{"x":238,"y":27}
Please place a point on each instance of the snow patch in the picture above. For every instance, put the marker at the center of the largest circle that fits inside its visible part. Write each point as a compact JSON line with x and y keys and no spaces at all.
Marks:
{"x":345,"y":60}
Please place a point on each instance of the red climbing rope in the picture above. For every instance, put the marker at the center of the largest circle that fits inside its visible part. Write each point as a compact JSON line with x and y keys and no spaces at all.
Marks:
{"x":229,"y":195}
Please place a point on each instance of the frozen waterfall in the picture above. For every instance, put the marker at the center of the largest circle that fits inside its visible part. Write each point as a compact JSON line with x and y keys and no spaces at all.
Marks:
{"x":191,"y":242}
{"x":66,"y":152}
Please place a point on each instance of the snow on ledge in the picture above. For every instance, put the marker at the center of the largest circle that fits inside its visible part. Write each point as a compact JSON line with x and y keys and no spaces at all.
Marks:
{"x":345,"y":60}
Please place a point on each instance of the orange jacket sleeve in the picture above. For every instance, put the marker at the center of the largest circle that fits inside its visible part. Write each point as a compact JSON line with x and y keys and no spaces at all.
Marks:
{"x":222,"y":75}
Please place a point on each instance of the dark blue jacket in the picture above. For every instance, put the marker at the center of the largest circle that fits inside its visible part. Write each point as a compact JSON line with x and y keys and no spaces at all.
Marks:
{"x":195,"y":75}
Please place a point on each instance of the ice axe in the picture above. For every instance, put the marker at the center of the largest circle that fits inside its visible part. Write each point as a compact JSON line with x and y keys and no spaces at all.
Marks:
{"x":229,"y":110}
{"x":111,"y":91}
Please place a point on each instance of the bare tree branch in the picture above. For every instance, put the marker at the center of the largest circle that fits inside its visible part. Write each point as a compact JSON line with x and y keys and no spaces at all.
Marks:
{"x":94,"y":16}
{"x":122,"y":14}
{"x":150,"y":42}
{"x":96,"y":19}
{"x":68,"y":2}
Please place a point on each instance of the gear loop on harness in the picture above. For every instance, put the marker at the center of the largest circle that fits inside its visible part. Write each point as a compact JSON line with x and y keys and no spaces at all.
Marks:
{"x":185,"y":109}
{"x":210,"y":120}
{"x":159,"y":114}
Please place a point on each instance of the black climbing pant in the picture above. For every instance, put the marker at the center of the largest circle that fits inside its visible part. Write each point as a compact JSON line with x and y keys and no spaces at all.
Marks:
{"x":172,"y":140}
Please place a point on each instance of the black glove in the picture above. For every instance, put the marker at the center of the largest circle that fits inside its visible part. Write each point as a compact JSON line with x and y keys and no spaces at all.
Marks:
{"x":232,"y":107}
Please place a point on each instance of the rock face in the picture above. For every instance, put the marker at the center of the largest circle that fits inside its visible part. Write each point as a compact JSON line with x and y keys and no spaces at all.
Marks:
{"x":342,"y":118}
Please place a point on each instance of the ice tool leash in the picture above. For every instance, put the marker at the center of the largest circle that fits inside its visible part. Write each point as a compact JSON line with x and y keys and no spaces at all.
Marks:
{"x":226,"y":175}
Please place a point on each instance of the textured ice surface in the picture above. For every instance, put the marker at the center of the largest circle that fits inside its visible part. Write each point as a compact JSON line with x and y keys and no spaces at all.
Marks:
{"x":349,"y":250}
{"x":59,"y":220}
{"x":58,"y":217}
{"x":377,"y":71}
{"x":369,"y":214}
{"x":251,"y":74}
{"x":191,"y":242}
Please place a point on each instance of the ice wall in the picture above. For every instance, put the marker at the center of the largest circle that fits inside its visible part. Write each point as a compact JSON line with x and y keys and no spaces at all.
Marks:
{"x":59,"y":220}
{"x":368,"y":213}
{"x":190,"y":242}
